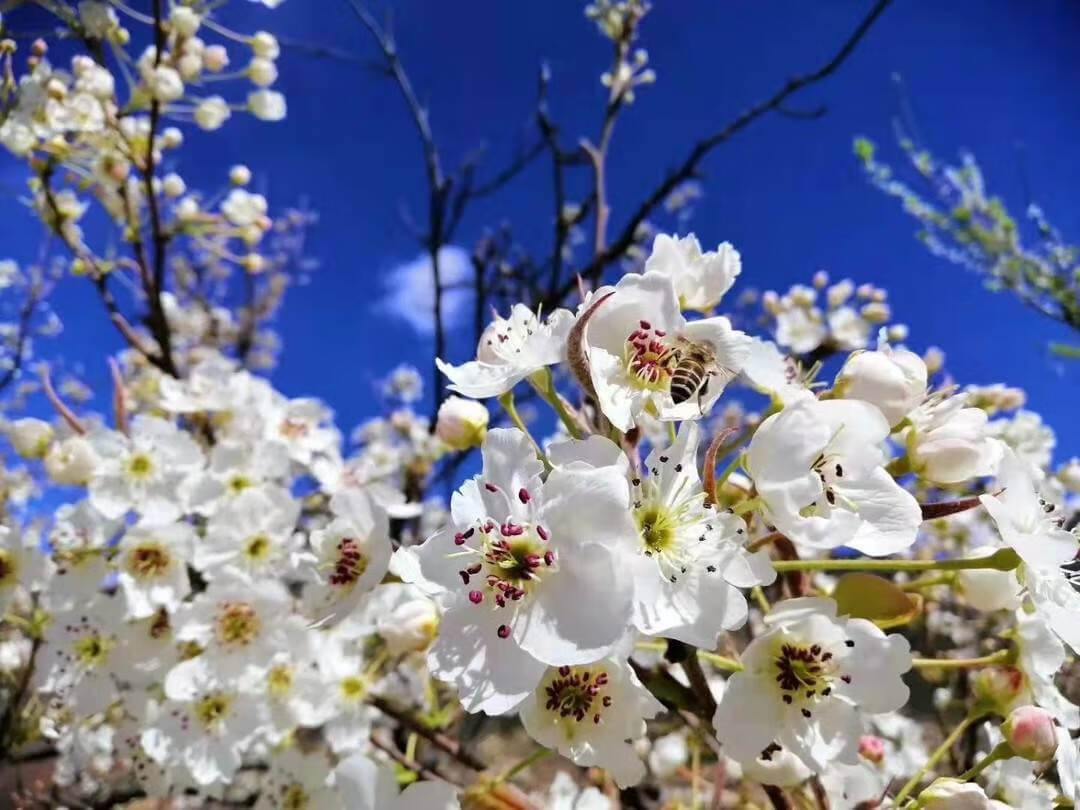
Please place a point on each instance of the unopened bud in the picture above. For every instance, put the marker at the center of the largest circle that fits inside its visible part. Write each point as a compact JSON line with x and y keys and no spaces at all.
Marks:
{"x":30,"y":437}
{"x":953,"y":794}
{"x":872,"y":748}
{"x":461,"y":423}
{"x":240,"y":175}
{"x":1030,"y":733}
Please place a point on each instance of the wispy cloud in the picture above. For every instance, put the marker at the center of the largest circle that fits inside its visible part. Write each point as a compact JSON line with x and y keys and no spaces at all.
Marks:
{"x":409,"y":294}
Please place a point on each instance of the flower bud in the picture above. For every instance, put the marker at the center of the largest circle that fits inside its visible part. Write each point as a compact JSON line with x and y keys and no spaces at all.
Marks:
{"x":240,"y":175}
{"x":872,"y":748}
{"x":410,"y":626}
{"x":1069,"y":475}
{"x":892,"y":379}
{"x":953,"y":794}
{"x":212,"y":113}
{"x":215,"y":58}
{"x":265,"y":44}
{"x":171,"y":138}
{"x":267,"y":105}
{"x":71,"y":462}
{"x":1030,"y":733}
{"x":998,"y":688}
{"x":173,"y":185}
{"x":262,"y":72}
{"x":166,"y":84}
{"x":184,"y":21}
{"x":30,"y":437}
{"x":461,"y":423}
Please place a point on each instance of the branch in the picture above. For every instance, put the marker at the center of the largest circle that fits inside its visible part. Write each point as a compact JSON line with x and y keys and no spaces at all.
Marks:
{"x":436,"y":738}
{"x":688,"y":169}
{"x":26,"y":314}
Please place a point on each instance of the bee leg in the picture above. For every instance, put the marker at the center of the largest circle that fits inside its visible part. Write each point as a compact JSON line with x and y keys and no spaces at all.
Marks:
{"x":701,"y":393}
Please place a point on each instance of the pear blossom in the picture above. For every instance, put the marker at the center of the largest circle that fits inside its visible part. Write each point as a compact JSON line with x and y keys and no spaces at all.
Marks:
{"x":236,"y":468}
{"x":370,"y":786}
{"x":700,"y":278}
{"x":817,"y":466}
{"x":341,"y":705}
{"x":11,"y":564}
{"x":75,"y":661}
{"x":1040,"y":656}
{"x":956,"y":794}
{"x":519,"y":556}
{"x":254,"y":535}
{"x":510,"y":349}
{"x":892,"y":378}
{"x":633,"y":342}
{"x":152,"y":565}
{"x":461,"y":423}
{"x":212,"y":112}
{"x":1026,"y":522}
{"x":78,"y":543}
{"x":296,"y":779}
{"x":690,"y":560}
{"x":205,"y":727}
{"x":807,"y":681}
{"x":589,"y":713}
{"x":348,"y":557}
{"x":30,"y":438}
{"x":142,"y":471}
{"x":800,"y":330}
{"x":987,"y":588}
{"x":668,"y":754}
{"x":949,"y":442}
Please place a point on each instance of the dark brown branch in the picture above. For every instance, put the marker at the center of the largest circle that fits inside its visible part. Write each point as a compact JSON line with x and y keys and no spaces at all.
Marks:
{"x":436,"y":738}
{"x":688,"y":169}
{"x":22,"y":334}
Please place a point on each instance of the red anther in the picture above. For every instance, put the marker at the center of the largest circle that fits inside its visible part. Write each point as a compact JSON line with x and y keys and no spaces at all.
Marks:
{"x":512,"y":530}
{"x":540,"y":530}
{"x":464,"y":576}
{"x":476,"y":597}
{"x":524,"y":496}
{"x":490,"y":487}
{"x":459,"y":539}
{"x":549,"y":557}
{"x":475,"y":569}
{"x":645,"y":324}
{"x":504,"y":631}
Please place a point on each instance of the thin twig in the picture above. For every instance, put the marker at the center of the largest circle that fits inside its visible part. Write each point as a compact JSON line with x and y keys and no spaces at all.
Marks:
{"x":436,"y":738}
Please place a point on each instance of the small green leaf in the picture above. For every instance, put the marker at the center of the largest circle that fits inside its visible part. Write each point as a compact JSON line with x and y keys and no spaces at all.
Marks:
{"x":868,"y":596}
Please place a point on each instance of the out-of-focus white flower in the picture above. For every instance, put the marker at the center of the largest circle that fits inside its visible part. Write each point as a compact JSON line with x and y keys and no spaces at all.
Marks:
{"x":265,"y":44}
{"x":184,"y":20}
{"x":700,"y":279}
{"x":461,"y":423}
{"x":988,"y":589}
{"x":262,"y":72}
{"x":949,"y":442}
{"x":242,"y":208}
{"x":954,"y":794}
{"x":800,"y":330}
{"x":212,"y":112}
{"x":31,"y":438}
{"x":267,"y":105}
{"x":166,"y":84}
{"x":1030,"y":439}
{"x":370,"y":786}
{"x":668,"y":754}
{"x":99,"y":19}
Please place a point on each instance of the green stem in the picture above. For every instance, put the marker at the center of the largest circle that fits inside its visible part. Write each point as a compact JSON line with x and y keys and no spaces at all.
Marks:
{"x":507,"y":402}
{"x":1001,"y":751}
{"x":1002,"y":560}
{"x":743,"y":507}
{"x":937,"y":756}
{"x":728,"y":470}
{"x":1000,"y":657}
{"x":720,"y":661}
{"x":514,"y":770}
{"x":544,"y":384}
{"x":929,"y":582}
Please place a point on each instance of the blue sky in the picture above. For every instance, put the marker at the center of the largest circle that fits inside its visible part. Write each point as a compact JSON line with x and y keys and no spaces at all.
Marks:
{"x":982,"y":74}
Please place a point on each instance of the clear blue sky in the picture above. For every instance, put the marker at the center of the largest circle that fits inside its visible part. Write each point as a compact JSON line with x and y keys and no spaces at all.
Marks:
{"x":983,"y":74}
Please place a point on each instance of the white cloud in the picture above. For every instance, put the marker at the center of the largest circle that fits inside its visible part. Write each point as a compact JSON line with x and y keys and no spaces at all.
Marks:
{"x":408,"y":292}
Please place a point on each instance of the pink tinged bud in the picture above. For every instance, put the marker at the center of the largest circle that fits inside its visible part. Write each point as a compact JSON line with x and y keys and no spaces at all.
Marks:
{"x":872,"y":748}
{"x":1030,"y":733}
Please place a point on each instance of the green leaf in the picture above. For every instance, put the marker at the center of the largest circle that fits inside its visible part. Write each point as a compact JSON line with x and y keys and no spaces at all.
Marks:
{"x":868,"y":596}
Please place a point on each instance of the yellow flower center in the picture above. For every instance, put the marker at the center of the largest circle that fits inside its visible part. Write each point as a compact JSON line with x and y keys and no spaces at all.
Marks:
{"x":237,"y":624}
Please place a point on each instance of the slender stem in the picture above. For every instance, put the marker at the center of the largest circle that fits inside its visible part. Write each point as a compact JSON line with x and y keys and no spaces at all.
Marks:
{"x":1001,"y":751}
{"x":750,"y":504}
{"x":937,"y":756}
{"x":928,"y":582}
{"x":545,"y":387}
{"x":1003,"y":560}
{"x":507,"y":402}
{"x":726,"y":473}
{"x":521,"y":765}
{"x":758,"y":595}
{"x":1000,"y":657}
{"x":720,"y":661}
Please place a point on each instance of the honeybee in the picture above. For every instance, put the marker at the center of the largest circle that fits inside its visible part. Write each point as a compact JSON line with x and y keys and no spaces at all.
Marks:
{"x":695,"y":364}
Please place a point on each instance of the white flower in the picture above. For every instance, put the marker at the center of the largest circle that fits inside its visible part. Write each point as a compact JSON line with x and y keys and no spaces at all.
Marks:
{"x":97,"y":18}
{"x":303,"y":426}
{"x":636,"y":342}
{"x":848,"y":329}
{"x":205,"y":727}
{"x":986,"y":588}
{"x":184,"y":20}
{"x":510,"y":349}
{"x":30,"y":437}
{"x":75,"y":663}
{"x":564,"y":794}
{"x":253,"y":535}
{"x":1027,"y":523}
{"x":1041,"y":656}
{"x":370,"y":786}
{"x":689,"y":562}
{"x":954,"y":794}
{"x":262,"y":72}
{"x":411,"y":625}
{"x":668,"y":754}
{"x":267,"y":105}
{"x":590,"y":713}
{"x":893,"y":379}
{"x":806,"y":682}
{"x":949,"y":442}
{"x":165,"y":83}
{"x":242,"y":208}
{"x":144,"y":471}
{"x":344,"y":712}
{"x":296,"y":780}
{"x":700,"y":279}
{"x":461,"y":423}
{"x":212,"y":112}
{"x":800,"y":330}
{"x":265,"y":44}
{"x":817,"y":466}
{"x":348,"y":557}
{"x":239,"y":625}
{"x":236,"y":468}
{"x":772,"y":373}
{"x":152,"y":565}
{"x":518,"y":560}
{"x":1030,"y":439}
{"x":71,"y":461}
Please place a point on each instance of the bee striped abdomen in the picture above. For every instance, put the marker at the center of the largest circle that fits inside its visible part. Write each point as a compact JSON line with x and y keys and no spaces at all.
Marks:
{"x":686,"y":380}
